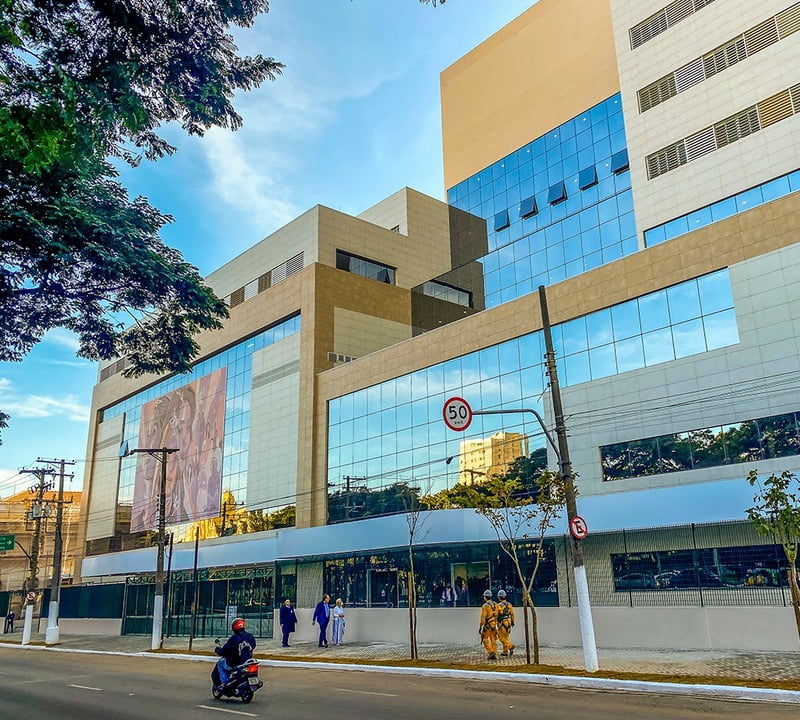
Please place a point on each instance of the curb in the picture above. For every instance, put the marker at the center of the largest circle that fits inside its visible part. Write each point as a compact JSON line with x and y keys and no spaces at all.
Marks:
{"x":716,"y":692}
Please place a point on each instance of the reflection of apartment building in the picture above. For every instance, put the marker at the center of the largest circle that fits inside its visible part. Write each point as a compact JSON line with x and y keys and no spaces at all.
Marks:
{"x":14,"y":520}
{"x":484,"y":458}
{"x":650,"y":183}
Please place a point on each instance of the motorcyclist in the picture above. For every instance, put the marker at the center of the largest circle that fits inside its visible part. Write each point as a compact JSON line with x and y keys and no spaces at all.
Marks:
{"x":237,"y":650}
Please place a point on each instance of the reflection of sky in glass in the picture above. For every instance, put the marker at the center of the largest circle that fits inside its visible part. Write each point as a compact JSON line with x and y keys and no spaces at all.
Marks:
{"x":593,"y":225}
{"x":771,"y":190}
{"x":238,"y":361}
{"x":394,"y":432}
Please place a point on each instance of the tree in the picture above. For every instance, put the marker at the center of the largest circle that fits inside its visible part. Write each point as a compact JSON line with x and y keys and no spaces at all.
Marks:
{"x":84,"y":83}
{"x":414,"y":508}
{"x":517,"y":517}
{"x":776,"y":513}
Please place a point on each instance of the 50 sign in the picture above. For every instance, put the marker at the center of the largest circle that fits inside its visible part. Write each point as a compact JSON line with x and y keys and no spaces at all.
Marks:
{"x":457,"y":414}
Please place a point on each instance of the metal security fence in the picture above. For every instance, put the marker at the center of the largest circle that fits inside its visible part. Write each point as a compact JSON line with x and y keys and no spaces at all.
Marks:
{"x":720,"y":564}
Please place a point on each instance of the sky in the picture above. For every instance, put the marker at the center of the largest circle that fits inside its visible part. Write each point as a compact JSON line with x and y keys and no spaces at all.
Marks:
{"x":354,"y":117}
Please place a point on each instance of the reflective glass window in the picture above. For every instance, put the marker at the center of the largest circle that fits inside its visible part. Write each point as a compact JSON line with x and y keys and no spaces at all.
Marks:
{"x":654,"y":310}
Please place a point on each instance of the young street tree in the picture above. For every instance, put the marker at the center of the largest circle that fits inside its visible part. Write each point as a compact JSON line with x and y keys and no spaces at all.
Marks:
{"x":776,"y":513}
{"x":84,"y":82}
{"x":521,"y":518}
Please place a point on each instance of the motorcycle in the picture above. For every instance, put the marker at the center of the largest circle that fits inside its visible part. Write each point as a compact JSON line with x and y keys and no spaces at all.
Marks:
{"x":242,"y":683}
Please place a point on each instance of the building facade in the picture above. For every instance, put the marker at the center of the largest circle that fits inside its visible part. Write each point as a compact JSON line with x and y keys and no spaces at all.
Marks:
{"x":638,"y":160}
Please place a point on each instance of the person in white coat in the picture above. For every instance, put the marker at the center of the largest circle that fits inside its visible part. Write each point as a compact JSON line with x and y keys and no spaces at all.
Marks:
{"x":338,"y":622}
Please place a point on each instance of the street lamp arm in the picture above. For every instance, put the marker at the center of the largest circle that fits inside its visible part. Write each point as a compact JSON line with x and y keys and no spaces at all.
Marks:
{"x":528,"y":410}
{"x":23,"y":550}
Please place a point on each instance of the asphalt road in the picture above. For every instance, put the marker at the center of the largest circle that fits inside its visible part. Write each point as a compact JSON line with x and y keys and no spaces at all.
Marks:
{"x":69,"y":686}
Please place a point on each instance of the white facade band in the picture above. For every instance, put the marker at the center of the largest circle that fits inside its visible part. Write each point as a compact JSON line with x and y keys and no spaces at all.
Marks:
{"x":585,"y":617}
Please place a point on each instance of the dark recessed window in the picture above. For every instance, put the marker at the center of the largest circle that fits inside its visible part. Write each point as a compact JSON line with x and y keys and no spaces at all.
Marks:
{"x":501,"y":220}
{"x":557,"y":193}
{"x":587,"y":177}
{"x":528,"y":207}
{"x":619,"y":161}
{"x":365,"y":268}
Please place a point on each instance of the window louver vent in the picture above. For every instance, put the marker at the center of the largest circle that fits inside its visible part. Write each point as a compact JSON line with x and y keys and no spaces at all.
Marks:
{"x":237,"y":297}
{"x":794,"y":91}
{"x":775,"y":108}
{"x":723,"y":57}
{"x":736,"y":127}
{"x":700,"y":4}
{"x":338,"y":357}
{"x":689,"y":75}
{"x":278,"y":273}
{"x":700,"y":144}
{"x":263,"y":282}
{"x":667,"y":159}
{"x":648,"y":29}
{"x":294,"y":264}
{"x":251,"y":289}
{"x":761,"y":36}
{"x":788,"y":21}
{"x":678,"y":10}
{"x":657,"y":93}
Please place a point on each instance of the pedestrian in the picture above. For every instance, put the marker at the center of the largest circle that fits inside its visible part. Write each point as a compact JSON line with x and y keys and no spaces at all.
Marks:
{"x":449,"y":596}
{"x":322,"y":616}
{"x":505,"y":621}
{"x":9,"y":626}
{"x":488,"y":627}
{"x":338,"y":622}
{"x":288,"y":619}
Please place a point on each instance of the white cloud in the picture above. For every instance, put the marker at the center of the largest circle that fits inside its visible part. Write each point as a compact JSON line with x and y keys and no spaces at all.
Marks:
{"x":20,"y":405}
{"x":63,"y":338}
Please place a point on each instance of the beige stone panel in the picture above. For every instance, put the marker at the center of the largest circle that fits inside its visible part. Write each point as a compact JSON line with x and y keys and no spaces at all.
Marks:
{"x":390,"y":212}
{"x":100,"y":506}
{"x":358,"y":334}
{"x":419,"y":256}
{"x":548,"y":65}
{"x":300,"y":235}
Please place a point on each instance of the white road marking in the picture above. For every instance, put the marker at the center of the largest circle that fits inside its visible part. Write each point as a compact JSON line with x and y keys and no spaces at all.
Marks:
{"x":86,"y":687}
{"x":234,"y":712}
{"x":365,"y":692}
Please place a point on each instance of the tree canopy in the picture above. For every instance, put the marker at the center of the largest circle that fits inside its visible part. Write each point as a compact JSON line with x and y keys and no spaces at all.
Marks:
{"x":82,"y":83}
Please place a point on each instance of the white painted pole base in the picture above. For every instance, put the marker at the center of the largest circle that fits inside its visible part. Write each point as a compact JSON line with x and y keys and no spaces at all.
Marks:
{"x":28,"y":626}
{"x":52,"y":634}
{"x":587,"y":624}
{"x":158,"y":619}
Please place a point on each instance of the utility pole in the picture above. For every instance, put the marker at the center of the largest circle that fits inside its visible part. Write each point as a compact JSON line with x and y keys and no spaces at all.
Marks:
{"x":32,"y":583}
{"x":52,"y":633}
{"x":160,"y":454}
{"x":565,"y":470}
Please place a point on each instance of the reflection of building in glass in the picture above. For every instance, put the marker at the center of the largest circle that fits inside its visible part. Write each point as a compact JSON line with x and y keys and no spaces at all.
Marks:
{"x":666,"y":236}
{"x":484,"y":458}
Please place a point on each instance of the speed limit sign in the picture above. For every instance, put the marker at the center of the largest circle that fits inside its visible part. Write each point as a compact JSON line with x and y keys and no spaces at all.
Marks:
{"x":578,"y":527}
{"x":457,"y":414}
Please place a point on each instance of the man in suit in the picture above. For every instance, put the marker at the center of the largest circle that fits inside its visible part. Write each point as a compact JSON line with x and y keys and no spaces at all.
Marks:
{"x":322,"y":616}
{"x":288,"y":620}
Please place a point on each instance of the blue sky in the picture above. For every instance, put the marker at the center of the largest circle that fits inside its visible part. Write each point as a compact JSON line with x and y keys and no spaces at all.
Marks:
{"x":354,"y":117}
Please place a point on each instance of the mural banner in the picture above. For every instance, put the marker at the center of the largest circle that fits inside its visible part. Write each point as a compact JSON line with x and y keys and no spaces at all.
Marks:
{"x":191,"y":419}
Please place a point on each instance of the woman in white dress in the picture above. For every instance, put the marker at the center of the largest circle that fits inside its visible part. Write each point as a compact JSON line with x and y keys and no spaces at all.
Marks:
{"x":338,"y":622}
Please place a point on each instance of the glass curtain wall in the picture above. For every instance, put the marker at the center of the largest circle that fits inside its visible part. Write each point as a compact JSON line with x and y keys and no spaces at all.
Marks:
{"x":556,"y":207}
{"x":238,"y":362}
{"x":388,"y":444}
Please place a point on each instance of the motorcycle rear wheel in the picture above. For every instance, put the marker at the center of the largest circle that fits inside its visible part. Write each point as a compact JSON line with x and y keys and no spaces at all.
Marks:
{"x":246,"y":695}
{"x":215,"y":692}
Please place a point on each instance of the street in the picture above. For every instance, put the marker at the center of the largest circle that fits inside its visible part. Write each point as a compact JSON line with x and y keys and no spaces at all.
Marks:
{"x":65,"y":686}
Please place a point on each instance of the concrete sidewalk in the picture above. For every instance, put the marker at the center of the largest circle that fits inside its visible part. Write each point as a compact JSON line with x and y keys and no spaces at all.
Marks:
{"x":759,"y":667}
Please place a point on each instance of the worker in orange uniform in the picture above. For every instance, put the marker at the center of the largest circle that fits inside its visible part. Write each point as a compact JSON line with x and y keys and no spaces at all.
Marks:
{"x":488,"y":626}
{"x":505,"y":621}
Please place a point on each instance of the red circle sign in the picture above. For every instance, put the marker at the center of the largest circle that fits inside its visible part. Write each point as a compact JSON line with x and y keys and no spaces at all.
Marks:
{"x":578,"y":527}
{"x":457,"y":414}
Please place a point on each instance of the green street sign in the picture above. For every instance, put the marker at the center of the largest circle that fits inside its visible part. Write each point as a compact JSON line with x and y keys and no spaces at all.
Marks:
{"x":6,"y":542}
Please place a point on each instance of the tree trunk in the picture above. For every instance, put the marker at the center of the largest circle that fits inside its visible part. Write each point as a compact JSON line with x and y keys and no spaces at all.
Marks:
{"x":535,"y":624}
{"x":412,"y":606}
{"x":525,"y":600}
{"x":795,"y":593}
